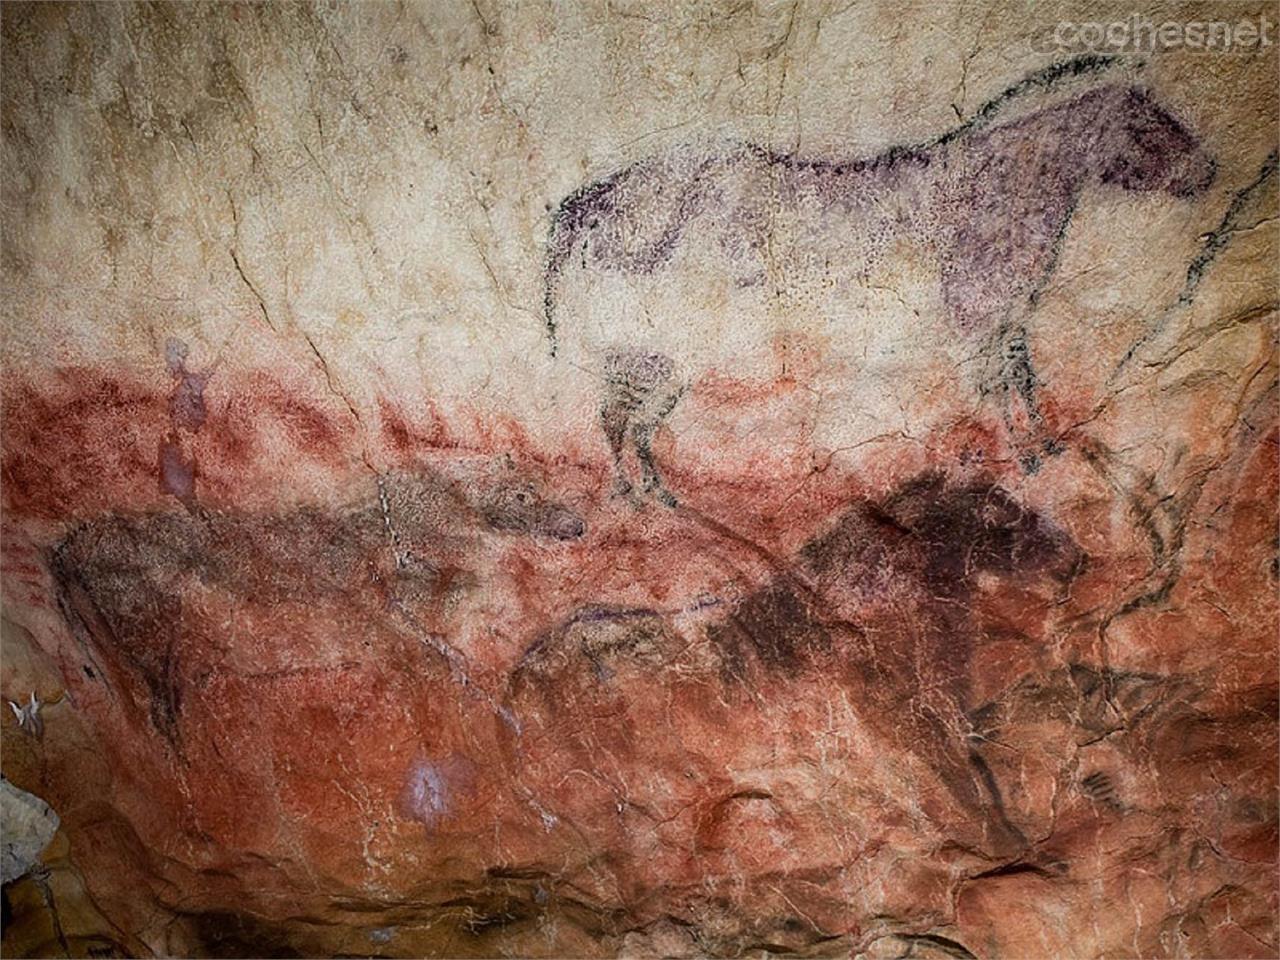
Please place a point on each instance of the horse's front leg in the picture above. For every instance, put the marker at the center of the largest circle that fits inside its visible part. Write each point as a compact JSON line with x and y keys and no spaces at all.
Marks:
{"x":1018,"y":384}
{"x":640,"y":391}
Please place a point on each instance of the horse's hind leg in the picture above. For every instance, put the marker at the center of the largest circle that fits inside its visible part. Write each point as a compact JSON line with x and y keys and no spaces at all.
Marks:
{"x":615,"y":418}
{"x":642,"y":431}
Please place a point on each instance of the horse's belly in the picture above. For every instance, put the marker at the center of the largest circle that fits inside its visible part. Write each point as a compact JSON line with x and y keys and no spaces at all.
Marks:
{"x":893,"y":359}
{"x":870,"y":318}
{"x":697,"y":317}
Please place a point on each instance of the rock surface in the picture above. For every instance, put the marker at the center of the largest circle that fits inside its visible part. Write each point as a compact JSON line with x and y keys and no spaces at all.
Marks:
{"x":29,"y":825}
{"x":595,"y":480}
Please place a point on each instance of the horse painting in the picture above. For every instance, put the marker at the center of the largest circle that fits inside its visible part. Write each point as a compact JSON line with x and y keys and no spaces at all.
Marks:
{"x":735,"y":229}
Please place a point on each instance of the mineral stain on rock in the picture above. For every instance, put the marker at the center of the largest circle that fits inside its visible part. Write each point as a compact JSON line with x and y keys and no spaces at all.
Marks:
{"x":426,"y":793}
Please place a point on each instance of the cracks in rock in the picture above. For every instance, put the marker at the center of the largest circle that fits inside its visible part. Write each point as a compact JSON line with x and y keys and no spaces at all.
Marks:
{"x":262,"y":305}
{"x":244,"y":277}
{"x":1162,"y":516}
{"x":352,"y":223}
{"x":780,"y":566}
{"x":39,"y":874}
{"x":775,"y":275}
{"x":488,"y":30}
{"x":952,"y":948}
{"x":1191,"y":341}
{"x":897,"y":295}
{"x":966,"y":61}
{"x":483,"y":254}
{"x":369,"y":822}
{"x":331,"y":382}
{"x":392,"y":534}
{"x":459,"y":665}
{"x":782,"y":49}
{"x":1214,"y":243}
{"x":335,"y":388}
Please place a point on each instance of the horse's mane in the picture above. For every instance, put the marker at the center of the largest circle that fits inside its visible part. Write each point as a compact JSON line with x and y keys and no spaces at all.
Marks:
{"x":1044,"y":80}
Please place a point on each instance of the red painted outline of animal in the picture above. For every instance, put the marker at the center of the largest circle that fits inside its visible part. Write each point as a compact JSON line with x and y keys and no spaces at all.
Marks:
{"x":992,"y":201}
{"x":405,"y":543}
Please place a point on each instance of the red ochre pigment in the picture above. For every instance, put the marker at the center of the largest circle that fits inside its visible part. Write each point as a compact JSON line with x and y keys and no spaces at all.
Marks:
{"x":350,"y":648}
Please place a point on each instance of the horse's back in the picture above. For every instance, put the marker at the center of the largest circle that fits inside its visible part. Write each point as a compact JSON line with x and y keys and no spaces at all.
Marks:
{"x":711,"y":256}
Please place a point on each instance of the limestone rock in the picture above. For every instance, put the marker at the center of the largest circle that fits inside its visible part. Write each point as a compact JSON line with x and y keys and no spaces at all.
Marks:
{"x":28,"y":826}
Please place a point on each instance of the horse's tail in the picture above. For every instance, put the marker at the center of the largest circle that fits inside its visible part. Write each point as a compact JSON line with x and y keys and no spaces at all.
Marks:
{"x":560,"y":243}
{"x":578,"y":211}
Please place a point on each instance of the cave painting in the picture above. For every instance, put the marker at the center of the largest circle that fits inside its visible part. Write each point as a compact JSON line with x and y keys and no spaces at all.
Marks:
{"x":879,"y":604}
{"x":990,"y":202}
{"x":135,"y":589}
{"x":471,"y":684}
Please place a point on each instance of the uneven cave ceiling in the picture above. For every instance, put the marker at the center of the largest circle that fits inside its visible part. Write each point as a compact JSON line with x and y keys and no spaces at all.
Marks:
{"x":631,"y":479}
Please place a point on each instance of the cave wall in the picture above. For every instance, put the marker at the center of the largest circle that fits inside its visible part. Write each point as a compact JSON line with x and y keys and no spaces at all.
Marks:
{"x":495,"y":479}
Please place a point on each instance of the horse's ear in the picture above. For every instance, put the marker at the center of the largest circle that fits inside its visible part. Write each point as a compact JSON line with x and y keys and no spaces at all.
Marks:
{"x":1138,"y":100}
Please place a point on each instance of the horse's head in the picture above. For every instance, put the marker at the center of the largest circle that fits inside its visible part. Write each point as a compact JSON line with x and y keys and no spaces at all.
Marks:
{"x":1146,"y":148}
